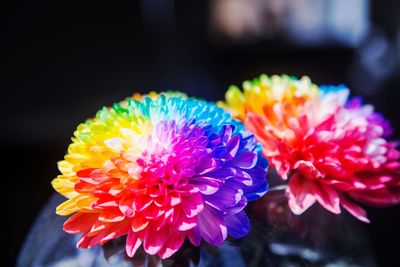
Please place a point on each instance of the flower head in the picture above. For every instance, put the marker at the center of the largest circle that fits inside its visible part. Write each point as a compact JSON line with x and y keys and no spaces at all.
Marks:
{"x":332,"y":149}
{"x":159,"y":169}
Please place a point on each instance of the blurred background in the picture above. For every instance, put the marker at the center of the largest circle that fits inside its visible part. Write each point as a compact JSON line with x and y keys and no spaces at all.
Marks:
{"x":64,"y":60}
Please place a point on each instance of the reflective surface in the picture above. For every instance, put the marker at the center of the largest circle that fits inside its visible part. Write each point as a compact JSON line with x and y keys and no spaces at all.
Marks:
{"x":277,"y":238}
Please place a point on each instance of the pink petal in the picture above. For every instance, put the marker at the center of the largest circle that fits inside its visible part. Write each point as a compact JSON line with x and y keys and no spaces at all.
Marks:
{"x":133,"y":242}
{"x":307,"y":169}
{"x":354,"y":209}
{"x":175,"y":198}
{"x":192,"y":204}
{"x":327,"y":197}
{"x":376,"y":182}
{"x":187,"y":223}
{"x":299,"y":194}
{"x":155,"y":240}
{"x":152,"y":212}
{"x":380,"y":197}
{"x":173,"y":244}
{"x":344,"y":185}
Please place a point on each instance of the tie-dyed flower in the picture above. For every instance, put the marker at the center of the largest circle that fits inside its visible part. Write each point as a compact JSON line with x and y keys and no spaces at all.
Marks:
{"x":332,"y":150}
{"x":159,"y":169}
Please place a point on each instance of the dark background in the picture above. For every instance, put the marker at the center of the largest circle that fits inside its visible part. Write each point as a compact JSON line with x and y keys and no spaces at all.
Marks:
{"x":63,"y":60}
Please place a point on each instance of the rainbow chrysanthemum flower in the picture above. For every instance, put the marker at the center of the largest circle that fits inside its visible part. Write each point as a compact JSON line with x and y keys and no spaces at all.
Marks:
{"x":159,"y":169}
{"x":332,"y":149}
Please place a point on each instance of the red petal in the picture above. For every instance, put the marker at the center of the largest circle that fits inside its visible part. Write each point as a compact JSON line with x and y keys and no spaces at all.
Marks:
{"x":152,"y":212}
{"x":105,"y":201}
{"x":117,"y":230}
{"x":83,"y":242}
{"x":85,"y":173}
{"x":89,"y":242}
{"x":142,"y":202}
{"x":80,"y":222}
{"x":84,"y":187}
{"x":111,"y":215}
{"x":97,"y":228}
{"x":138,"y":223}
{"x":126,"y":206}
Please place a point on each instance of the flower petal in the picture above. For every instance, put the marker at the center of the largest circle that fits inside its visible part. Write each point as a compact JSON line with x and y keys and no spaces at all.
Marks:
{"x":238,"y":224}
{"x":354,"y":209}
{"x":327,"y":197}
{"x":211,"y":226}
{"x":80,"y":222}
{"x":133,"y":242}
{"x":173,"y":244}
{"x":244,"y":160}
{"x":299,"y":194}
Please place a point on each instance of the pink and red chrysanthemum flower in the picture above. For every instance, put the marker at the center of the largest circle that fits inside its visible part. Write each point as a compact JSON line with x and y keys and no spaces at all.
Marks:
{"x":159,"y":170}
{"x":332,"y":150}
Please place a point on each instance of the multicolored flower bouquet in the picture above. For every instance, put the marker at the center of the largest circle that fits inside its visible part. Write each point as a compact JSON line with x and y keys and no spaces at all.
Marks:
{"x":160,"y":169}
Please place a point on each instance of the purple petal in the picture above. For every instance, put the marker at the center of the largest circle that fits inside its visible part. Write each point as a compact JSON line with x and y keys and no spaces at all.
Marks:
{"x":206,"y":185}
{"x":206,"y":165}
{"x":226,"y":197}
{"x":202,"y":141}
{"x":238,"y":225}
{"x":195,"y":237}
{"x":244,"y":178}
{"x":259,"y":186}
{"x":248,"y":141}
{"x":211,"y":226}
{"x":226,"y":133}
{"x":223,"y":173}
{"x":239,"y":206}
{"x":219,"y":151}
{"x":232,"y":147}
{"x":214,"y":140}
{"x":245,"y":160}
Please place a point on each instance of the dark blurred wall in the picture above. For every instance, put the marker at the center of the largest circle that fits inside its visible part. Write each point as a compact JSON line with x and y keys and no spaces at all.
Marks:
{"x":66,"y":59}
